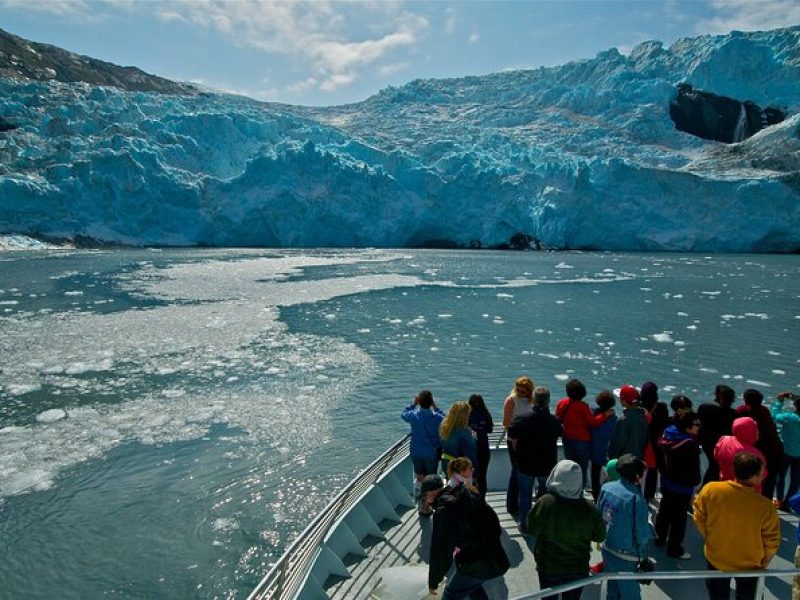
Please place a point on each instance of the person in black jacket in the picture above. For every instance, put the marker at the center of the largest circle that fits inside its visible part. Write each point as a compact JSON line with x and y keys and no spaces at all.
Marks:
{"x":535,"y":438}
{"x":480,"y":421}
{"x":467,"y":530}
{"x":659,"y":420}
{"x":716,"y":420}
{"x":680,"y":473}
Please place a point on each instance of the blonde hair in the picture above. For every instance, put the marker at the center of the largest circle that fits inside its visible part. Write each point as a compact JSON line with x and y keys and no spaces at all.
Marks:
{"x":457,"y":418}
{"x":525,"y":382}
{"x":458,"y":466}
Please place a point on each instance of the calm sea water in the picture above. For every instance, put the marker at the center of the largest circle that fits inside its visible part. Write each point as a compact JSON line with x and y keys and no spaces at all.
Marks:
{"x":169,"y":420}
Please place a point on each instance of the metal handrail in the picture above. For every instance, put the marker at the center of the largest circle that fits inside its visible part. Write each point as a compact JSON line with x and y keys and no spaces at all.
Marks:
{"x":603,"y":578}
{"x":284,"y":579}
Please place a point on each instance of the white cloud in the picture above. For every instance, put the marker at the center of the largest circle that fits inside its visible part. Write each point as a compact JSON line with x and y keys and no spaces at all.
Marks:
{"x":474,"y":38}
{"x":747,"y":15}
{"x":449,"y":20}
{"x":319,"y":32}
{"x":391,"y":69}
{"x":78,"y":10}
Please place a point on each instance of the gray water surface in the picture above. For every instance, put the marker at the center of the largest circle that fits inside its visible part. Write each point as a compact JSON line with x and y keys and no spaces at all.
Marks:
{"x":169,"y":420}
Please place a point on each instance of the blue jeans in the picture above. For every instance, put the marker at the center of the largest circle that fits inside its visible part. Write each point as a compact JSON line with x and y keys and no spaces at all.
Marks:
{"x":792,"y":465}
{"x":578,"y":452}
{"x":525,"y":483}
{"x":621,"y":590}
{"x":463,"y":586}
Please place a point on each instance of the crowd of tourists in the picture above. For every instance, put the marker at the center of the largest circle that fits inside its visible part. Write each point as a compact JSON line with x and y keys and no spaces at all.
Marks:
{"x":649,"y":451}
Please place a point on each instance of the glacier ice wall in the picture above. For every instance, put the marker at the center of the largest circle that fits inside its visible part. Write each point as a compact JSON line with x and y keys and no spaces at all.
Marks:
{"x":579,"y":156}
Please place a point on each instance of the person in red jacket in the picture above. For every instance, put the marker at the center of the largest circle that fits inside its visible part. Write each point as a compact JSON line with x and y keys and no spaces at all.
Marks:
{"x":578,"y":421}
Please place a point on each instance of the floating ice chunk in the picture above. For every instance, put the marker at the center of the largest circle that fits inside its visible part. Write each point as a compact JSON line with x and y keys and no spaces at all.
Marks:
{"x":395,"y":321}
{"x":420,"y":320}
{"x":708,"y":370}
{"x":683,"y":314}
{"x":773,"y":353}
{"x":502,"y":295}
{"x":13,"y":389}
{"x":778,"y":372}
{"x":680,"y":343}
{"x":445,"y":316}
{"x":646,"y":289}
{"x":563,"y":265}
{"x":497,"y":321}
{"x":225,"y":524}
{"x":364,"y":330}
{"x":716,"y":293}
{"x":8,"y":302}
{"x":758,"y":383}
{"x":51,"y":416}
{"x":561,"y":301}
{"x":663,"y":338}
{"x":74,"y":293}
{"x":330,"y":317}
{"x":691,"y":327}
{"x":561,"y":376}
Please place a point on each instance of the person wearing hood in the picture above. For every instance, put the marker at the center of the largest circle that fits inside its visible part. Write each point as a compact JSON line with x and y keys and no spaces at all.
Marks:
{"x":745,"y":435}
{"x":629,"y":435}
{"x":680,"y":473}
{"x":628,"y":531}
{"x":564,"y":524}
{"x":465,"y":530}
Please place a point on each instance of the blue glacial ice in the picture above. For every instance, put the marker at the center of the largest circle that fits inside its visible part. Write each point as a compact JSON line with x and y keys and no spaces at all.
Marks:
{"x":583,"y":155}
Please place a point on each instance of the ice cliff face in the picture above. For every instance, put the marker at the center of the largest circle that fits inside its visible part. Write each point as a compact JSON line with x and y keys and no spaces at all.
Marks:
{"x":580,"y":156}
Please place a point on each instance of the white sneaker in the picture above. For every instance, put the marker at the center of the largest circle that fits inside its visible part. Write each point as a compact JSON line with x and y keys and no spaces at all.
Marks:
{"x":684,"y":556}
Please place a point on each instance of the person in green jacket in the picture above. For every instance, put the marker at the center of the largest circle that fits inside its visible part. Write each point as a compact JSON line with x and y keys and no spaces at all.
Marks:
{"x":564,"y":524}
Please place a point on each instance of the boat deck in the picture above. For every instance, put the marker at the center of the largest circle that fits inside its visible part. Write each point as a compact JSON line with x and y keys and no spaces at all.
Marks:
{"x":396,"y":568}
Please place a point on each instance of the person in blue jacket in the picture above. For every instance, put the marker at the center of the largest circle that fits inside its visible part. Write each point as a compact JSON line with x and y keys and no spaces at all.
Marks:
{"x":425,"y":419}
{"x":457,"y":438}
{"x":600,"y":437}
{"x":628,"y":530}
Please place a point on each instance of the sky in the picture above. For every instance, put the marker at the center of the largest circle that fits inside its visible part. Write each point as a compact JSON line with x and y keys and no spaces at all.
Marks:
{"x":326,"y":52}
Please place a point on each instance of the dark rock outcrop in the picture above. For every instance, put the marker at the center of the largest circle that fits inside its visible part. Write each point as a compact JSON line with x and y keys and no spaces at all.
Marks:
{"x":713,"y":117}
{"x":20,"y":58}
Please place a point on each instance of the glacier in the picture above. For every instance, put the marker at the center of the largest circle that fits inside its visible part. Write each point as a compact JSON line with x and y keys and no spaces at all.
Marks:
{"x":579,"y":156}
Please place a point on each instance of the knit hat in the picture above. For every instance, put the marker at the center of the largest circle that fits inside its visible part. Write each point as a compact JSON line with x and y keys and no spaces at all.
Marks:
{"x":611,"y":470}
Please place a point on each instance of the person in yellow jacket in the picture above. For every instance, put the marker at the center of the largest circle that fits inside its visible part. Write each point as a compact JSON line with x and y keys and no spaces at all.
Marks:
{"x":740,"y":527}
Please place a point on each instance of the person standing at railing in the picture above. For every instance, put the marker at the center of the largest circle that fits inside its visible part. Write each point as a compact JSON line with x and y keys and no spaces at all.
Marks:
{"x":518,"y":404}
{"x":789,"y":423}
{"x":481,"y":423}
{"x":716,"y":420}
{"x":740,"y":527}
{"x":628,"y":530}
{"x":578,"y":422}
{"x":424,"y":418}
{"x":457,"y":438}
{"x":769,"y":442}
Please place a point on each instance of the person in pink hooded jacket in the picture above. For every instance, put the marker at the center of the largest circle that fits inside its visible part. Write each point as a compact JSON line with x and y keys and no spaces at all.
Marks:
{"x":745,"y":434}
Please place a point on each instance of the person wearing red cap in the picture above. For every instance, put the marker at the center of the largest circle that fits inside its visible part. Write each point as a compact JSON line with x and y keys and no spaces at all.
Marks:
{"x":630,"y":433}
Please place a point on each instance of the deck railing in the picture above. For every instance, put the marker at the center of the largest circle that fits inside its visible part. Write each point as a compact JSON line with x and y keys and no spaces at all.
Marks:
{"x":602,"y":580}
{"x":284,"y":579}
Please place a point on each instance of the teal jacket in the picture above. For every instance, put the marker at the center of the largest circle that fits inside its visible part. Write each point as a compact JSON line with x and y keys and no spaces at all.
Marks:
{"x":564,"y":529}
{"x":788,"y":423}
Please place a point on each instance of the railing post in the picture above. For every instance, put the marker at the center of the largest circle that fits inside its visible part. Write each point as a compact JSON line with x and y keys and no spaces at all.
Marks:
{"x":760,"y":588}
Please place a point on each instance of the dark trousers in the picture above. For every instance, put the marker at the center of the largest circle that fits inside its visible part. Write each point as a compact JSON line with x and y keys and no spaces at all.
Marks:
{"x":462,"y":586}
{"x":596,"y":471}
{"x":792,"y":465}
{"x":712,"y":472}
{"x":512,"y":491}
{"x":671,"y":520}
{"x":548,"y":581}
{"x":773,"y":467}
{"x":484,"y":454}
{"x":650,"y":483}
{"x":720,"y":589}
